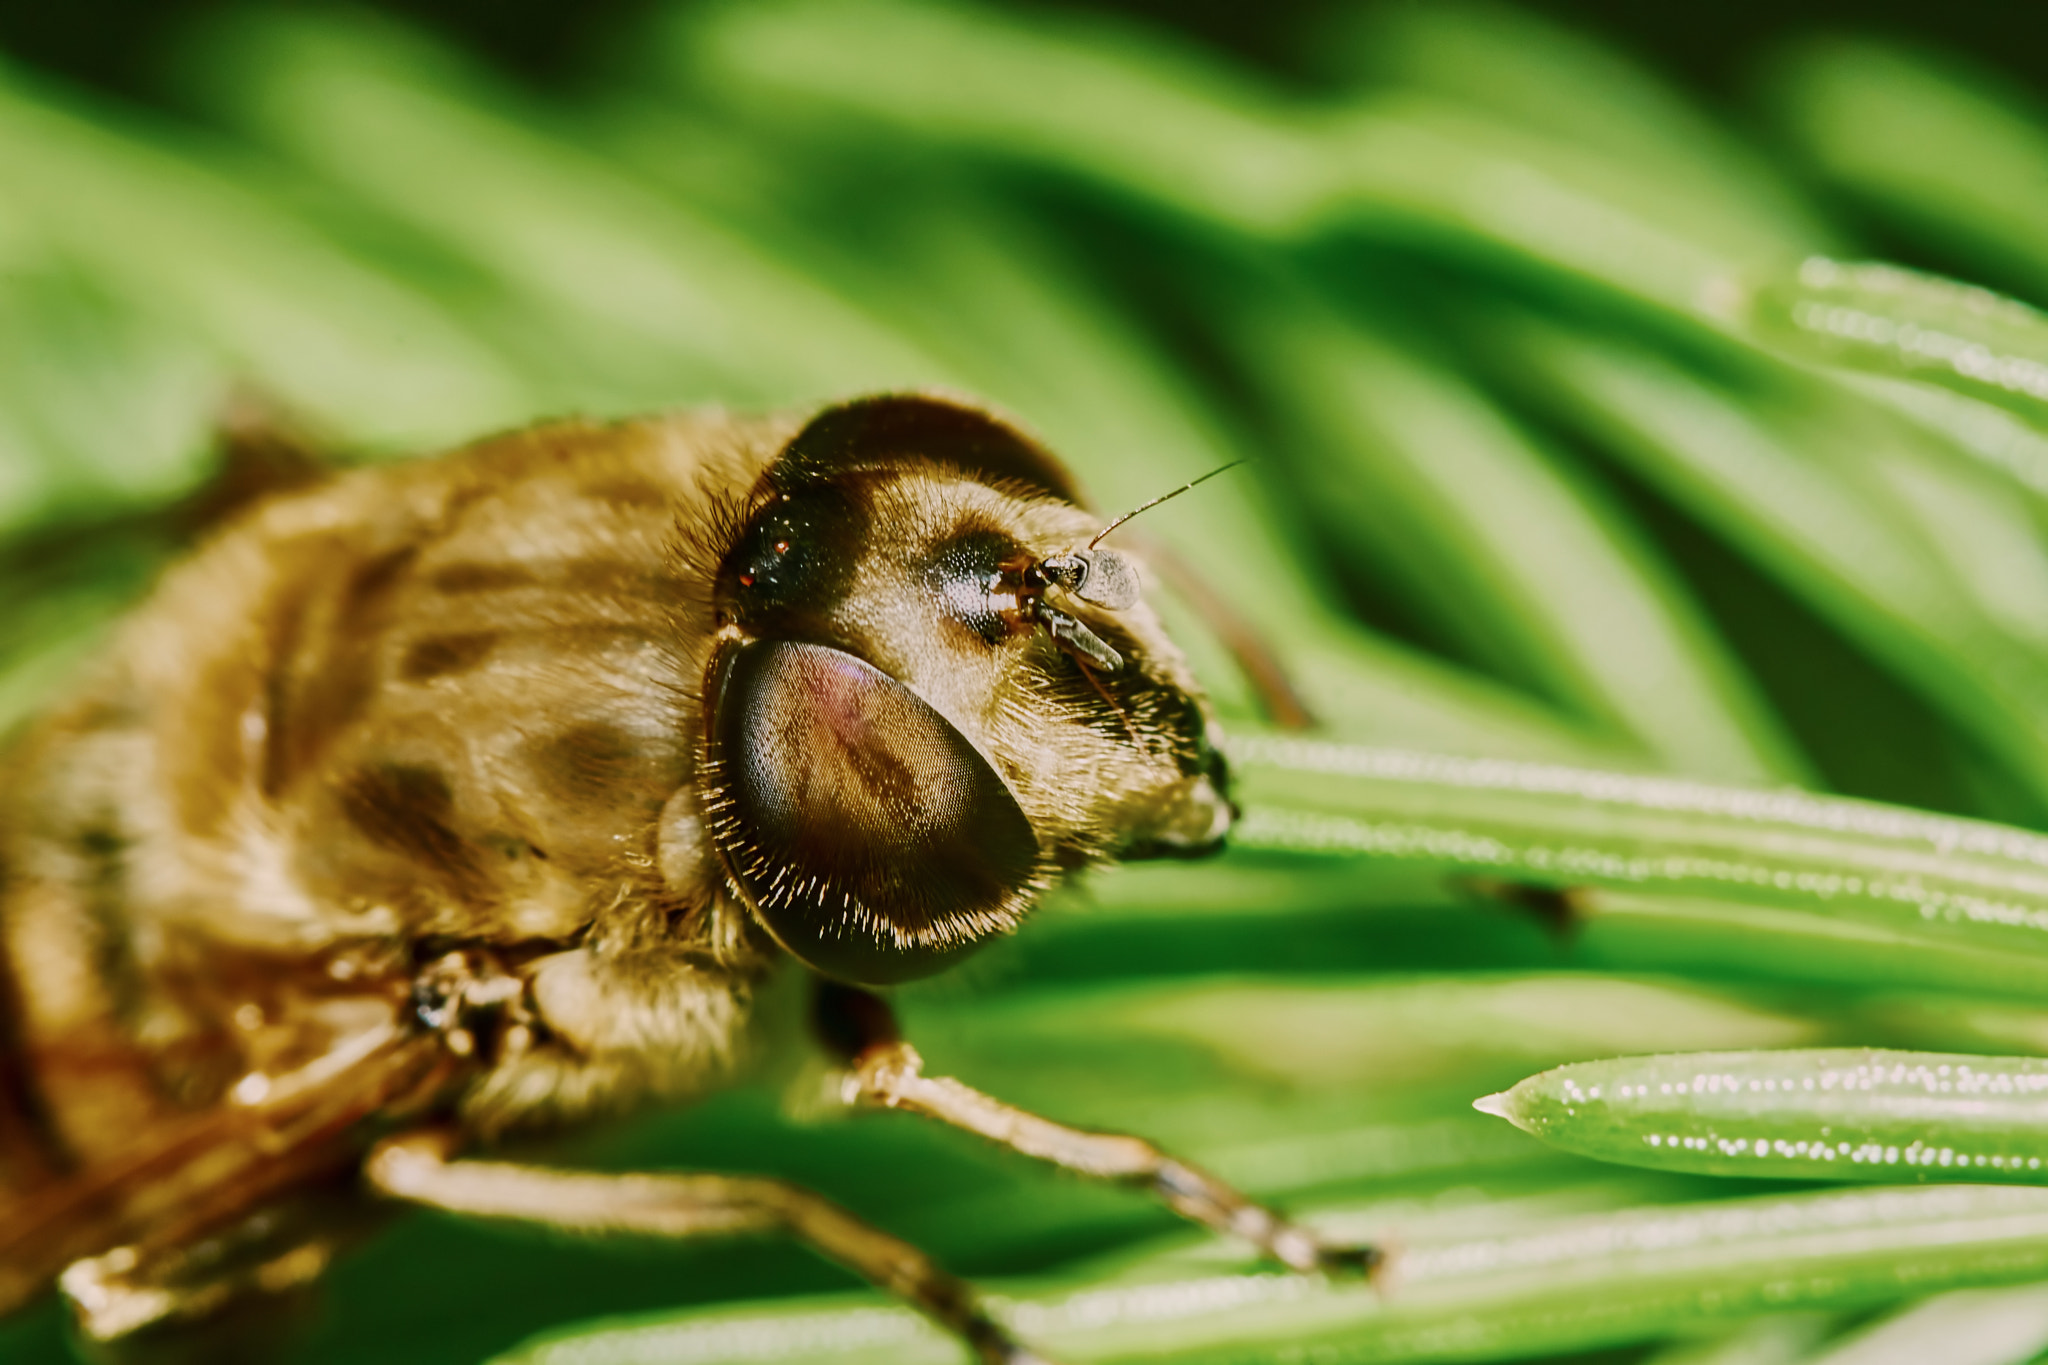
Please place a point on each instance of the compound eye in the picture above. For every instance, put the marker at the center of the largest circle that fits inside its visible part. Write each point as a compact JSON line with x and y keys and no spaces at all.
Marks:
{"x":873,"y":839}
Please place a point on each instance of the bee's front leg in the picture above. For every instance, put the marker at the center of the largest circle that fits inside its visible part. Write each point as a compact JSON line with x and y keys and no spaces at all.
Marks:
{"x":886,"y":1071}
{"x":236,"y":1292}
{"x":420,"y":1168}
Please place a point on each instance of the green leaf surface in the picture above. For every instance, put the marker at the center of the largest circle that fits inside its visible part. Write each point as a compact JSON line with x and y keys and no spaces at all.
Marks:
{"x":1574,"y":1285}
{"x":1826,"y":1114}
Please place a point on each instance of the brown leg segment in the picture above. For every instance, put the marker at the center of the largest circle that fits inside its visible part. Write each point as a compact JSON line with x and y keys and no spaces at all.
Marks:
{"x":169,"y":1304}
{"x":887,"y":1071}
{"x":418,"y":1168}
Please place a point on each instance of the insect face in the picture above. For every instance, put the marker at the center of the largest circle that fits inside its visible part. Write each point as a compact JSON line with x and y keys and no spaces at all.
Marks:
{"x":924,"y":706}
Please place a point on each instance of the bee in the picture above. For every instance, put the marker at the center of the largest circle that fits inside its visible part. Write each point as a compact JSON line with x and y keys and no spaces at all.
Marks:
{"x":430,"y":804}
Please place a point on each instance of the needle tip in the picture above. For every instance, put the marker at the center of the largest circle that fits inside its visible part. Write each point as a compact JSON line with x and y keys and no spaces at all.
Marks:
{"x":1496,"y":1105}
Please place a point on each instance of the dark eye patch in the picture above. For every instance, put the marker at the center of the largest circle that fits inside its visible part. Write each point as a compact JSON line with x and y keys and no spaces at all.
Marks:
{"x":960,"y":571}
{"x":795,"y":559}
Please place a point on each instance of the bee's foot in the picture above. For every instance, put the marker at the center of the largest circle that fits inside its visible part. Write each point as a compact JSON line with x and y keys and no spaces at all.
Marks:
{"x":1350,"y":1260}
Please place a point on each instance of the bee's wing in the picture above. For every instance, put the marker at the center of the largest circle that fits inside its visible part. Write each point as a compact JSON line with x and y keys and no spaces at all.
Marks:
{"x":78,"y":567}
{"x":179,"y":1180}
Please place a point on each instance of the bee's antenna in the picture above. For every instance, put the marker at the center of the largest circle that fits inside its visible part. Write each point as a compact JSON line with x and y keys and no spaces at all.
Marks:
{"x":1147,"y":506}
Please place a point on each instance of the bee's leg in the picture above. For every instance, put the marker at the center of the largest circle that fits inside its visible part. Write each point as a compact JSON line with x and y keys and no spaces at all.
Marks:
{"x":420,"y":1169}
{"x":1561,"y":910}
{"x":237,"y":1293}
{"x":886,"y":1071}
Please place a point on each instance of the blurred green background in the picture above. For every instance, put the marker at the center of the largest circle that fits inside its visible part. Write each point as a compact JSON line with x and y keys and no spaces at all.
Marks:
{"x":1577,"y":438}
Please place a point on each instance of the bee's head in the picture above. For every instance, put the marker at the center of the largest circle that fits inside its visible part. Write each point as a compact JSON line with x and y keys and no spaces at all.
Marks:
{"x":931,"y":696}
